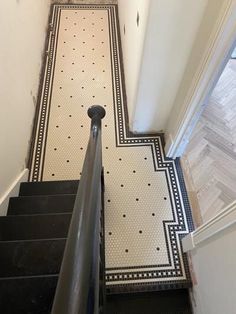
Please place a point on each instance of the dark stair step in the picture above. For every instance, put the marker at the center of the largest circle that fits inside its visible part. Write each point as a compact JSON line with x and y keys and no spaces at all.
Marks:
{"x":49,"y":188}
{"x":30,"y":205}
{"x":161,"y":302}
{"x":34,"y":227}
{"x":31,"y":258}
{"x":27,"y":295}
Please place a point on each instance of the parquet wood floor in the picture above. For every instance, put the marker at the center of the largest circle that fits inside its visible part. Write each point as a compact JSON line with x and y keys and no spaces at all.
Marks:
{"x":210,"y":158}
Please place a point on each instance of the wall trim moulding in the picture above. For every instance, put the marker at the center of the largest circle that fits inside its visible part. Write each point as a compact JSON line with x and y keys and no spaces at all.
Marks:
{"x":219,"y":48}
{"x":221,"y":221}
{"x":12,"y":191}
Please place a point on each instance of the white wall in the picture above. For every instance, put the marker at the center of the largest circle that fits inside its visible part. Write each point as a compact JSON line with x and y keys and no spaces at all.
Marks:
{"x":22,"y":27}
{"x":171,"y":32}
{"x":132,"y":43}
{"x":155,"y":56}
{"x":206,"y":61}
{"x":214,"y":264}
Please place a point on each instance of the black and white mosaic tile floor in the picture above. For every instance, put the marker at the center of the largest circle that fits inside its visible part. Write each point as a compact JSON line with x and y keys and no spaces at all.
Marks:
{"x":146,"y":212}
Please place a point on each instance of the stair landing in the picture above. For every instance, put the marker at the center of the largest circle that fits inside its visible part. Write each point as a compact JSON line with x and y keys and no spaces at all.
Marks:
{"x":146,"y":207}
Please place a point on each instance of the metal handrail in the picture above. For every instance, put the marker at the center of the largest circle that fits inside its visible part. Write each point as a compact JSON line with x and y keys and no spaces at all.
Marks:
{"x":78,"y":284}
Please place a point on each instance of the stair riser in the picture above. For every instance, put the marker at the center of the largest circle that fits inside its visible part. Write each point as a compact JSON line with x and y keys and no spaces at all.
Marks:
{"x":168,"y":302}
{"x":34,"y":227}
{"x":41,"y":204}
{"x":27,"y":295}
{"x":28,"y":258}
{"x":48,"y":188}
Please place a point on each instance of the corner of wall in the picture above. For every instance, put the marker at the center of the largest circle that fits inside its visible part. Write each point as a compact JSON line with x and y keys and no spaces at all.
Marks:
{"x":12,"y":191}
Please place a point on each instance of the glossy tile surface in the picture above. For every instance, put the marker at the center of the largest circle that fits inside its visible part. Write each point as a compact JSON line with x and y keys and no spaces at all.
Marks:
{"x":145,"y":213}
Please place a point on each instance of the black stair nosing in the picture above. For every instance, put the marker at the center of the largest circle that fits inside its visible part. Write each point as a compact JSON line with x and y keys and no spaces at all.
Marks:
{"x":28,"y":294}
{"x":49,"y":187}
{"x":149,"y":287}
{"x":30,"y":277}
{"x":32,"y":240}
{"x":41,"y":204}
{"x":23,"y":227}
{"x":25,"y":258}
{"x":37,"y":215}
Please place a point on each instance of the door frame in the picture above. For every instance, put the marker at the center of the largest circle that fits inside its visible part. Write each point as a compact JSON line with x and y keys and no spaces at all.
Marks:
{"x":213,"y":62}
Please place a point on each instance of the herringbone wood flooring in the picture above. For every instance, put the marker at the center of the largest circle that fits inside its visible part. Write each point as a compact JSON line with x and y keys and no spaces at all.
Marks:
{"x":210,"y":159}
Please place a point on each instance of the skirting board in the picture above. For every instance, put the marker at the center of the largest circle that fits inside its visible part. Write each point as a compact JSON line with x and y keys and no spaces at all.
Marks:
{"x":12,"y":191}
{"x":221,"y":221}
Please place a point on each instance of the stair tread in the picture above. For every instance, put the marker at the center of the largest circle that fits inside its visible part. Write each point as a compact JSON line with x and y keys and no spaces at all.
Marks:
{"x":23,"y":227}
{"x":49,"y":187}
{"x":41,"y":204}
{"x":33,"y":294}
{"x":168,"y":302}
{"x":32,"y":257}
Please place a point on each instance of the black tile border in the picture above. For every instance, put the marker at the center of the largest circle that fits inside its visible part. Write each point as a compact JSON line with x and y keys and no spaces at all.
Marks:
{"x":39,"y":95}
{"x":184,"y":193}
{"x":43,"y":106}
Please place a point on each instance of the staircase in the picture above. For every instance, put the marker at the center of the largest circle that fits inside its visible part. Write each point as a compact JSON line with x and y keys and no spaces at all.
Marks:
{"x":32,"y":241}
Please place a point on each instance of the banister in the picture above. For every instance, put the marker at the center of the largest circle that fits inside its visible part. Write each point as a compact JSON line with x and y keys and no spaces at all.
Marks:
{"x":78,"y":284}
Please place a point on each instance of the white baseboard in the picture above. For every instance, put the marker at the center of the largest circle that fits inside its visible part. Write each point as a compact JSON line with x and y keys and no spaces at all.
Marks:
{"x":12,"y":191}
{"x":225,"y":219}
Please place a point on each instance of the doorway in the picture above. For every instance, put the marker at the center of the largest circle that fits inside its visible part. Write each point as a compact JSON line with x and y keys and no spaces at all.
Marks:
{"x":209,"y":160}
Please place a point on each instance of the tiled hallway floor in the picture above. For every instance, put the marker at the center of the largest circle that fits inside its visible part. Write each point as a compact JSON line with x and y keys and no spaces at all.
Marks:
{"x":146,"y":210}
